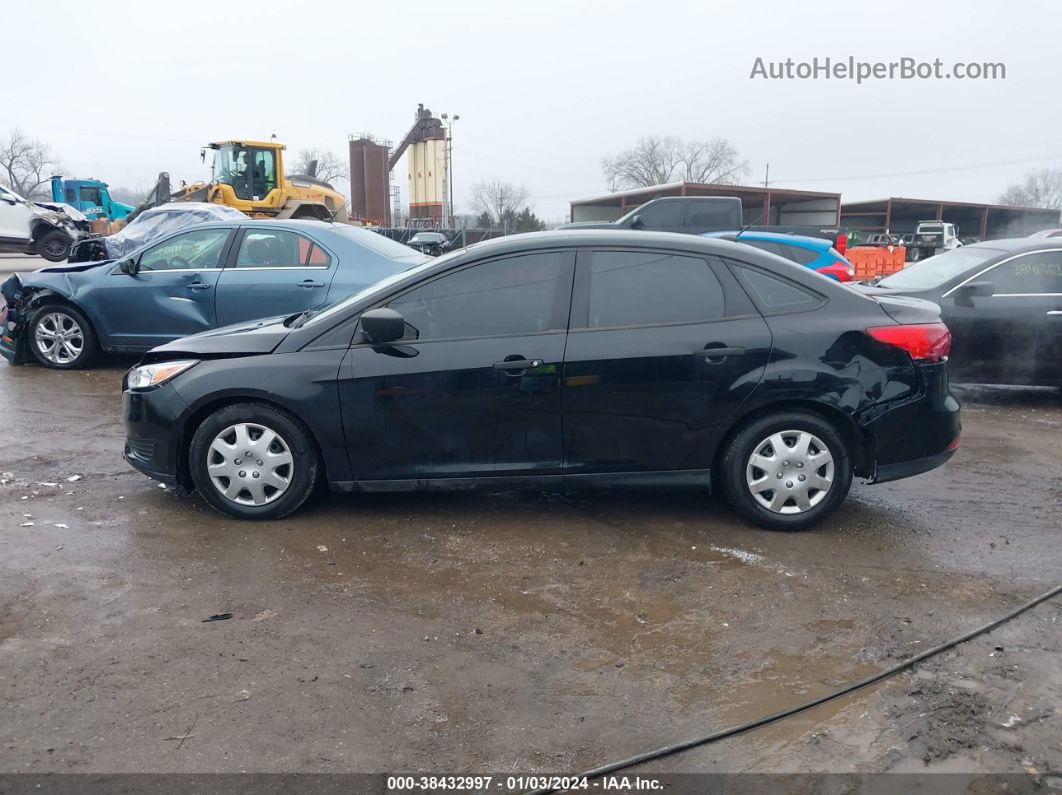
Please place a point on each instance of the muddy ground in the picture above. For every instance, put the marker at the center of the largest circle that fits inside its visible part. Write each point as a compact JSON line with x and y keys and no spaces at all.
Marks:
{"x":518,"y":632}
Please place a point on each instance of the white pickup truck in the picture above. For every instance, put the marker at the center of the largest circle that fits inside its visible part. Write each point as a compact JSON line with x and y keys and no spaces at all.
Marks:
{"x":932,"y":237}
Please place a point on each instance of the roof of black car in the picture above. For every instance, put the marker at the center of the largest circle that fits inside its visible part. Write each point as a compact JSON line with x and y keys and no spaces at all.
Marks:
{"x":608,"y":237}
{"x":1014,"y":243}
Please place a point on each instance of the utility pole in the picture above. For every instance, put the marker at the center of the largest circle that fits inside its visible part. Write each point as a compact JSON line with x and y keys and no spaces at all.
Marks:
{"x":766,"y":174}
{"x":450,"y":161}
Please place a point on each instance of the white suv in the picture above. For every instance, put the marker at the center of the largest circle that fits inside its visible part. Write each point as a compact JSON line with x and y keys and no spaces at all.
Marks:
{"x":35,"y":229}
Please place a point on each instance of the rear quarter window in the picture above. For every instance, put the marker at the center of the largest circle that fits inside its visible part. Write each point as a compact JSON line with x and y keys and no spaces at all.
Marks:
{"x":773,"y":294}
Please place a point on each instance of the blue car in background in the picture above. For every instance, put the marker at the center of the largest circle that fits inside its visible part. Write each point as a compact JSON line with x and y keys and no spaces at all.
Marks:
{"x":811,"y":252}
{"x":199,"y":278}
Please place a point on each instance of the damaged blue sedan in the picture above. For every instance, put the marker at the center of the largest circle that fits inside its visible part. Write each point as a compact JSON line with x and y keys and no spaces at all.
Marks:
{"x":199,"y":278}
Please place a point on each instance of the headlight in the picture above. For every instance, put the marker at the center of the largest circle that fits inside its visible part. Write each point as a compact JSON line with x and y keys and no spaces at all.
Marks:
{"x":154,"y":374}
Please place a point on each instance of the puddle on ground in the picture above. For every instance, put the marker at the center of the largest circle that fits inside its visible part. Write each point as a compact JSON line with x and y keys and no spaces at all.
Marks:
{"x":781,"y":682}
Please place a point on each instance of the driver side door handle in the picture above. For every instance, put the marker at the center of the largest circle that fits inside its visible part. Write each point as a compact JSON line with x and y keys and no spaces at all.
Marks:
{"x":309,"y":283}
{"x":198,"y":286}
{"x":719,"y":352}
{"x":517,"y":365}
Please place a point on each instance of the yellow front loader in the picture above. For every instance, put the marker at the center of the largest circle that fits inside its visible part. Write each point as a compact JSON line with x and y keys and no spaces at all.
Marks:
{"x":249,"y":175}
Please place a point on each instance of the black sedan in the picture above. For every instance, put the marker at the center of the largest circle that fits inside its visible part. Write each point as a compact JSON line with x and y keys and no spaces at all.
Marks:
{"x":558,"y":359}
{"x":1002,"y":301}
{"x":433,"y":244}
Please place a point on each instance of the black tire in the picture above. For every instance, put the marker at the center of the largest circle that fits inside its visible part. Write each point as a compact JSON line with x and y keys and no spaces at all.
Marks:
{"x":294,"y":438}
{"x":51,"y":317}
{"x":736,"y":469}
{"x":54,"y":246}
{"x":914,"y":254}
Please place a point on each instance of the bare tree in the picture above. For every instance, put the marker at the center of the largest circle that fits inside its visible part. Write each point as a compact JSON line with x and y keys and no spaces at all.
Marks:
{"x":26,"y":164}
{"x":1039,"y":188}
{"x":500,"y":201}
{"x":656,"y":160}
{"x":330,"y":167}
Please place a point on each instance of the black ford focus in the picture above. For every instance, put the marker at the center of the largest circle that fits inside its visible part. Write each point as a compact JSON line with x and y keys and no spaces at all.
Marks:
{"x":601,"y":358}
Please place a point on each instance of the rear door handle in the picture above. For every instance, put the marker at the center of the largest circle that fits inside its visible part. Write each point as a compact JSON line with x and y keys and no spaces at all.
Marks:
{"x":720,"y":352}
{"x":308,"y":283}
{"x":198,"y":286}
{"x":517,"y":365}
{"x":1055,"y":313}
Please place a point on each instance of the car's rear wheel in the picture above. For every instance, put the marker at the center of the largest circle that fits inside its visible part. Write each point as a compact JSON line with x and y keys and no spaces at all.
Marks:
{"x":60,"y":336}
{"x":253,"y":461}
{"x":786,"y":471}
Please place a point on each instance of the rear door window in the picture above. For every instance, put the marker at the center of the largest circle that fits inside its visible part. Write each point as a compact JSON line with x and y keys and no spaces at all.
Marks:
{"x":640,"y":288}
{"x":278,"y":248}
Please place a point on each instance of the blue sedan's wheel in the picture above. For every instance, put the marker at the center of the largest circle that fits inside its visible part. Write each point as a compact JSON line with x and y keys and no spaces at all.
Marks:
{"x":61,"y":337}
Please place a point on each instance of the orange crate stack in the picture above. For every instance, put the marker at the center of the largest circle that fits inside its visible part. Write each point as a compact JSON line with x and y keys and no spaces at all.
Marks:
{"x":871,"y":261}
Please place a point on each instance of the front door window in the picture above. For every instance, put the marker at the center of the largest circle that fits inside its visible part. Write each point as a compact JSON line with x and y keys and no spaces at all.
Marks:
{"x":196,"y":250}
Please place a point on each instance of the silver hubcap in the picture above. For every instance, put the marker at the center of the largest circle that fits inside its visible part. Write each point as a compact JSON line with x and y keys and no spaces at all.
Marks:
{"x":790,"y":472}
{"x":250,"y":464}
{"x":59,"y":338}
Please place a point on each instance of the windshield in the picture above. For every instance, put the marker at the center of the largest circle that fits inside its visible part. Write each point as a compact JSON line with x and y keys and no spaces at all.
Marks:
{"x":935,"y":271}
{"x":380,"y":286}
{"x":250,"y":171}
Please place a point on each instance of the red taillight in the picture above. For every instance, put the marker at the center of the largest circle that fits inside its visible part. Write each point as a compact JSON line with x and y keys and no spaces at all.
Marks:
{"x":954,"y":445}
{"x":924,"y":341}
{"x":841,"y":244}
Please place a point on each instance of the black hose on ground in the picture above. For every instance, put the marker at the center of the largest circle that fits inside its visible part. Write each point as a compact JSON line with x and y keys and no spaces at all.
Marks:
{"x":741,"y":728}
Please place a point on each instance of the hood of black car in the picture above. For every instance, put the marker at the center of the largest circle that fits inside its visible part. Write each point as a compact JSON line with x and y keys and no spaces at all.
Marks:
{"x":241,"y":339}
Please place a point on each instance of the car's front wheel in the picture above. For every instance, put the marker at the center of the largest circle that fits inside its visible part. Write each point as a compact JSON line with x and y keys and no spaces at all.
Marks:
{"x":253,"y":461}
{"x":55,"y":245}
{"x":61,"y":337}
{"x":786,"y":471}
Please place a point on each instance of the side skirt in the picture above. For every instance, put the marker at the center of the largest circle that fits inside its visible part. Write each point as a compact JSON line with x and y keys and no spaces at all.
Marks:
{"x":682,"y":479}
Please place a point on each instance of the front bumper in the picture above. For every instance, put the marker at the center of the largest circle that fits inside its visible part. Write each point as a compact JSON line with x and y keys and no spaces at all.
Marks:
{"x":919,"y":434}
{"x":9,"y":345}
{"x":12,"y":346}
{"x":153,"y":419}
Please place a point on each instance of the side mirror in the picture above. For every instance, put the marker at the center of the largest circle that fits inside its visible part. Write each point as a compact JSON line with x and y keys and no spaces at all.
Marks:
{"x":383,"y":325}
{"x":128,"y":266}
{"x":964,"y":295}
{"x":637,"y":222}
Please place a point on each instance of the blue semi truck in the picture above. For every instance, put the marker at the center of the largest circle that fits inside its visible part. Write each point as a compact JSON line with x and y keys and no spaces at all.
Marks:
{"x":90,"y":196}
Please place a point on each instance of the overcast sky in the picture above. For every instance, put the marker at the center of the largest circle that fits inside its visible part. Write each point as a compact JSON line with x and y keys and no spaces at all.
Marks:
{"x":544,"y":89}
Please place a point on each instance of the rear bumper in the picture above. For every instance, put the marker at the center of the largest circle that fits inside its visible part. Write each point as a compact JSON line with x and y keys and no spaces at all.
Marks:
{"x":919,"y":434}
{"x":916,"y":466}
